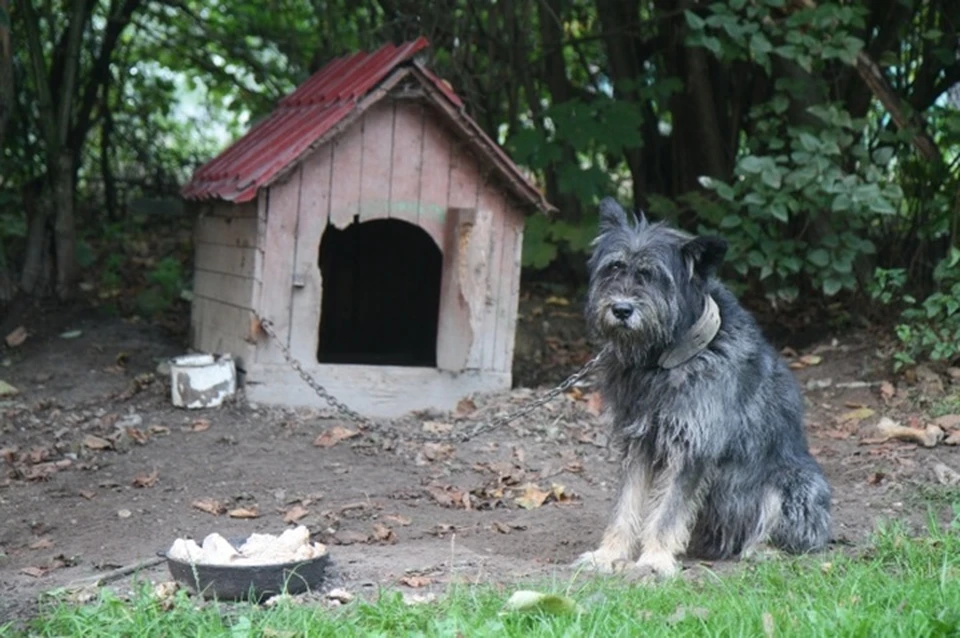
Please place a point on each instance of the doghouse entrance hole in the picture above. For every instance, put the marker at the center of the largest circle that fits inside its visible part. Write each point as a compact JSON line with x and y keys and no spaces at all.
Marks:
{"x":381,"y":294}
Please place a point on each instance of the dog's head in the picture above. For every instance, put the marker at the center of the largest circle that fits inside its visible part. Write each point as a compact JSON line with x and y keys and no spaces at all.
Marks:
{"x":647,"y":281}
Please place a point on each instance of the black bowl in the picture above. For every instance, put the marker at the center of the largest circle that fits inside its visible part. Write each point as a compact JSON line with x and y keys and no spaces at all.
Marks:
{"x":249,"y":582}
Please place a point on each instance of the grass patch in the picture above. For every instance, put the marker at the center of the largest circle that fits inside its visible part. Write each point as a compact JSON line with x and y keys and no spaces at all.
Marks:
{"x":901,"y":586}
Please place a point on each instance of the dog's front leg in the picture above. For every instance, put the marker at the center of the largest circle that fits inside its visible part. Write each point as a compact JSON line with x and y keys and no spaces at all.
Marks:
{"x":670,"y":516}
{"x":623,"y":532}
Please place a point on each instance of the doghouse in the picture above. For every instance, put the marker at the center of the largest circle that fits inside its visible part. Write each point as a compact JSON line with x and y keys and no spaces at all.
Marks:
{"x":379,"y":230}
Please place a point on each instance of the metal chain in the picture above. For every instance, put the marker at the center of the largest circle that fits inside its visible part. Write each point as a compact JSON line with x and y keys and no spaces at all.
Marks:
{"x":335,"y":403}
{"x":477,"y":430}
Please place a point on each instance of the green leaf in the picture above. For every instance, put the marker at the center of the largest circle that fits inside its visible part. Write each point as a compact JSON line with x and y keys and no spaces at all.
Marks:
{"x":753,"y":164}
{"x":819,"y":257}
{"x":841,"y":202}
{"x":772,"y":177}
{"x":694,"y":21}
{"x":831,"y":287}
{"x":730,"y":221}
{"x":533,"y":601}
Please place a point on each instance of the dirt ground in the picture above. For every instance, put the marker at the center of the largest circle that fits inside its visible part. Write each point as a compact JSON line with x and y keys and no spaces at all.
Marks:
{"x":99,"y":470}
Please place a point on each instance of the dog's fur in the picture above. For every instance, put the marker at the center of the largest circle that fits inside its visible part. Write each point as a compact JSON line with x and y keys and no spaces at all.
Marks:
{"x":715,"y":461}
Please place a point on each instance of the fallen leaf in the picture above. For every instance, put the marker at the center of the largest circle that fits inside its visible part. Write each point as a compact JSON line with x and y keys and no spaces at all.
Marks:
{"x":532,"y":497}
{"x":334,"y":435}
{"x":948,"y":421}
{"x":769,"y":626}
{"x":437,"y":451}
{"x":840,"y":435}
{"x":94,"y":442}
{"x":855,"y":416}
{"x":349,"y":537}
{"x":594,"y":403}
{"x":200,"y":425}
{"x":875,"y":478}
{"x":209,"y":506}
{"x":416,"y":581}
{"x":788,"y":352}
{"x":560,"y":493}
{"x":156,"y":430}
{"x":244,"y":512}
{"x":436,"y":427}
{"x":146,"y":480}
{"x":124,"y":513}
{"x":7,"y":390}
{"x":811,"y":359}
{"x":17,"y":337}
{"x":553,"y":300}
{"x":383,"y":533}
{"x":295,"y":513}
{"x":43,"y":543}
{"x":465,"y":407}
{"x":953,"y":439}
{"x":534,"y":601}
{"x":682,"y":612}
{"x":887,"y":391}
{"x":403,"y":521}
{"x":138,"y":435}
{"x":946,"y":475}
{"x":87,"y":494}
{"x":340,"y":595}
{"x":35,"y":572}
{"x":71,"y":334}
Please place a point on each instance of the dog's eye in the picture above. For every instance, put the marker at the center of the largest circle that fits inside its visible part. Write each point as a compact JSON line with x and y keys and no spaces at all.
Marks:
{"x":616,"y":266}
{"x":642,"y":274}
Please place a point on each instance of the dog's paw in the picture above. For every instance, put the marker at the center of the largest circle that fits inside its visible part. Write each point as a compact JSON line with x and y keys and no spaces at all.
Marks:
{"x":603,"y":561}
{"x":761,"y":554}
{"x":663,"y":565}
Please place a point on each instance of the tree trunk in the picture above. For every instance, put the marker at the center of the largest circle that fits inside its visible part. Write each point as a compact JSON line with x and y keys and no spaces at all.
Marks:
{"x":6,"y":69}
{"x":64,"y":226}
{"x":34,"y":277}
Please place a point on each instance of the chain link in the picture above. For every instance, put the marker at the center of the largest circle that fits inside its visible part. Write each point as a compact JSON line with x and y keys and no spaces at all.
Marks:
{"x":473,"y":432}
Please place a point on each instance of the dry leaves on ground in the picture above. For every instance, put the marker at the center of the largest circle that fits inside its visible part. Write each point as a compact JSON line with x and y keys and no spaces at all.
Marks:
{"x":199,"y":425}
{"x":416,"y":581}
{"x":209,"y":505}
{"x":383,"y":534}
{"x":43,"y":543}
{"x":17,"y":337}
{"x":244,"y":512}
{"x":146,"y":480}
{"x":397,"y":519}
{"x":94,"y":442}
{"x":533,"y":497}
{"x":295,"y":513}
{"x":334,"y":435}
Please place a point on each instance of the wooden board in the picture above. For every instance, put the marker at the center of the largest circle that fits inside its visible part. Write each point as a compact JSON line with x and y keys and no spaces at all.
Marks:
{"x":226,"y":231}
{"x":510,"y":298}
{"x":219,"y":328}
{"x":233,"y":290}
{"x":345,"y":183}
{"x":229,"y":260}
{"x":314,"y":213}
{"x":407,"y":161}
{"x":434,"y":181}
{"x":279,"y":256}
{"x":376,"y":162}
{"x":491,"y":200}
{"x":375,"y":391}
{"x":462,"y":289}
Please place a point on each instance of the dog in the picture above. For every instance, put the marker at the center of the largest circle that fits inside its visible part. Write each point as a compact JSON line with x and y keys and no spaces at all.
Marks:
{"x":708,"y":417}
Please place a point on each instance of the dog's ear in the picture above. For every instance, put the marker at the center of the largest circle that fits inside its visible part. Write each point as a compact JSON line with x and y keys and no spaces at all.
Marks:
{"x":703,"y":255}
{"x":612,"y":215}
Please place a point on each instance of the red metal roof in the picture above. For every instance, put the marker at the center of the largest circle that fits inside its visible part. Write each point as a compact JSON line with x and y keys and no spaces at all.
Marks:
{"x":312,"y":110}
{"x":298,"y":121}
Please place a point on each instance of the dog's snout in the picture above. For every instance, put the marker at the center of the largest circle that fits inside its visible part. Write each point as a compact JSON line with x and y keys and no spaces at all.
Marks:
{"x":622,"y":310}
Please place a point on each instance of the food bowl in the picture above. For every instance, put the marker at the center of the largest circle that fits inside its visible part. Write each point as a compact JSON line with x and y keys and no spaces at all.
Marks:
{"x":249,"y":582}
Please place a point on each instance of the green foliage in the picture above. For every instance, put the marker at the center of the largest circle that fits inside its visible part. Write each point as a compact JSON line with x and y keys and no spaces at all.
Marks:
{"x":929,"y":328}
{"x":814,"y":170}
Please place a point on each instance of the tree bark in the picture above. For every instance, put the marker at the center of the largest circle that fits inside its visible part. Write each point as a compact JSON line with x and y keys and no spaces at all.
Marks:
{"x":6,"y":69}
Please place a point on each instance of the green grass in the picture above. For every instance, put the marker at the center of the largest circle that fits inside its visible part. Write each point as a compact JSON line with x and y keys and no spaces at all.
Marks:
{"x":900,"y":586}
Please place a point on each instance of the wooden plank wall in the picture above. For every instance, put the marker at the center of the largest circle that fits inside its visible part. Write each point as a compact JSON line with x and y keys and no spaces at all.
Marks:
{"x":225,"y":248}
{"x":396,"y":162}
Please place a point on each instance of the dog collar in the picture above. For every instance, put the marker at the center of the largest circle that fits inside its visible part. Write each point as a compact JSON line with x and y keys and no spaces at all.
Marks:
{"x":698,"y":337}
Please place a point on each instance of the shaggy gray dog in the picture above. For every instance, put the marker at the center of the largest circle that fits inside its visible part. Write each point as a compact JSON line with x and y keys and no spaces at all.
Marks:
{"x":709,"y":418}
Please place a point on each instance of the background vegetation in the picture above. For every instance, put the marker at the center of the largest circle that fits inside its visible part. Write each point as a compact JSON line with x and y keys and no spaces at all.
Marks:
{"x":820,"y":137}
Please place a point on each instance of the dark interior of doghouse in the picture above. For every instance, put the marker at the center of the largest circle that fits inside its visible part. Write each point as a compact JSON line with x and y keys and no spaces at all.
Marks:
{"x":381,"y":294}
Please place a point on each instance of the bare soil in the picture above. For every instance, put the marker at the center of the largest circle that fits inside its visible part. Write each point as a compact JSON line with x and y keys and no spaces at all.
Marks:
{"x":519,"y":502}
